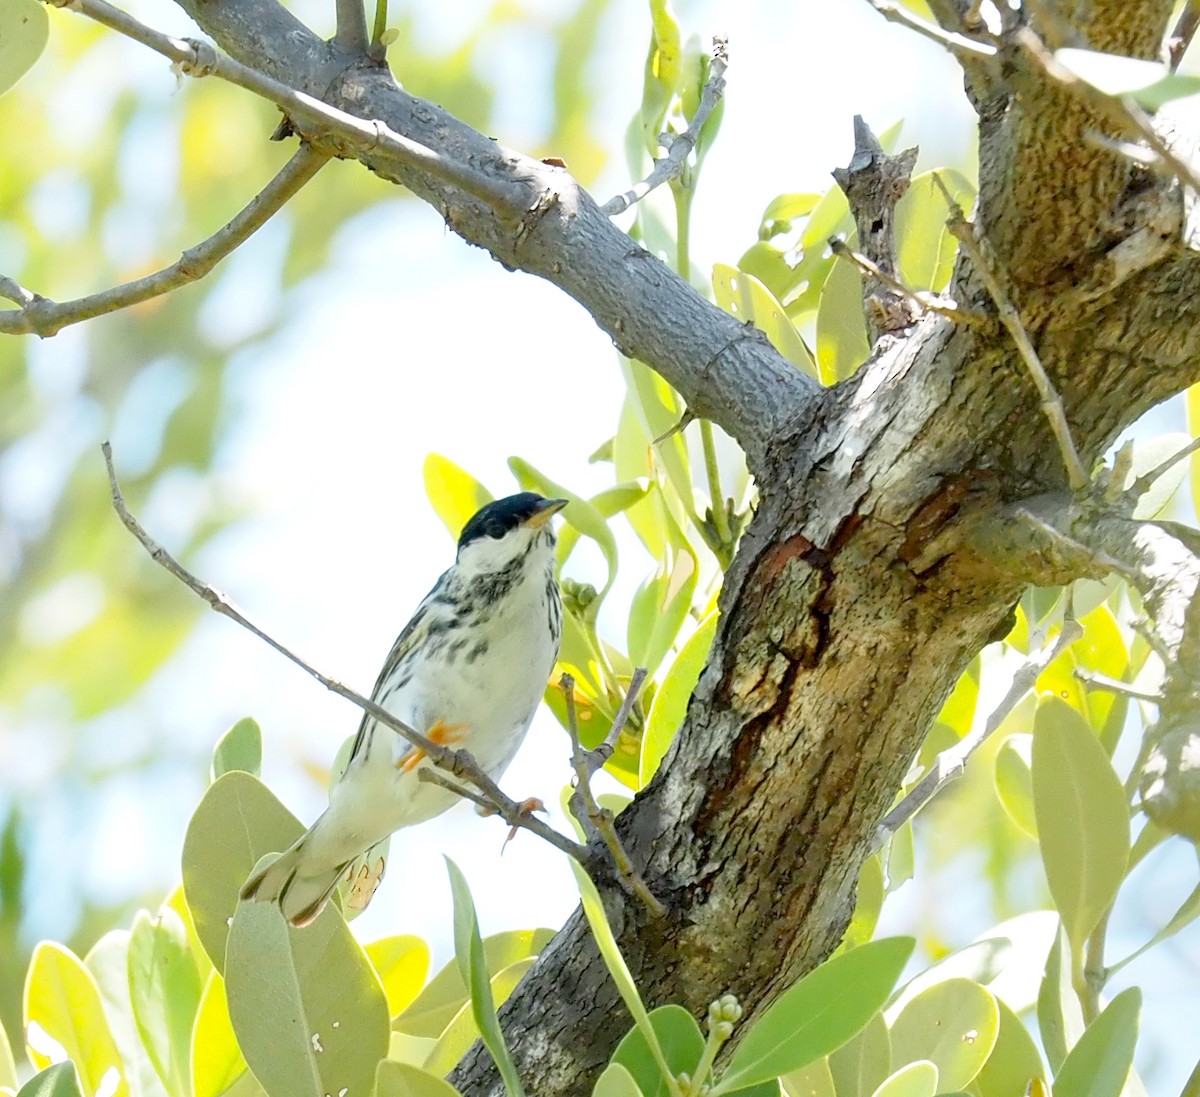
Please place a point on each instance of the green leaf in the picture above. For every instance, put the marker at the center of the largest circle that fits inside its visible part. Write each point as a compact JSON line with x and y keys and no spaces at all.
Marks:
{"x":1082,"y":818}
{"x":436,"y":1006}
{"x":680,"y":1040}
{"x":217,"y":1060}
{"x":578,"y":512}
{"x":1060,"y":1020}
{"x":453,"y":492}
{"x":814,"y":1080}
{"x":165,"y":988}
{"x":402,"y":963}
{"x":979,"y":962}
{"x":472,"y":966}
{"x":1014,"y":1060}
{"x":616,"y":1081}
{"x":606,"y":942}
{"x":1014,"y":781}
{"x":609,"y":503}
{"x":108,"y":963}
{"x":1187,"y":913}
{"x":659,"y":609}
{"x":59,"y":1080}
{"x":918,"y":1079}
{"x":868,"y":903}
{"x":462,"y":1032}
{"x":662,"y":72}
{"x":783,"y":210}
{"x":925,"y":246}
{"x":659,"y":409}
{"x":240,"y":748}
{"x":1099,"y":1064}
{"x":744,"y":296}
{"x":24,"y":32}
{"x":819,"y":1013}
{"x":309,"y":1013}
{"x":1150,"y":83}
{"x":63,"y":1001}
{"x":403,"y":1080}
{"x":672,"y":697}
{"x":1147,"y":456}
{"x":238,"y":821}
{"x":952,"y":1024}
{"x":860,"y":1065}
{"x":842,"y":344}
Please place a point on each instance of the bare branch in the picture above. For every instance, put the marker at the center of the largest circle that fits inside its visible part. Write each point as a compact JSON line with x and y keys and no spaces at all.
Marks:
{"x":1185,"y":30}
{"x":351,"y":37}
{"x":923,"y":299}
{"x":459,"y":763}
{"x":988,"y":267}
{"x":592,"y":817}
{"x":311,"y":116}
{"x":1111,"y":685}
{"x":1143,"y":483}
{"x":44,"y":317}
{"x":958,"y":44}
{"x":679,"y":146}
{"x":950,"y":764}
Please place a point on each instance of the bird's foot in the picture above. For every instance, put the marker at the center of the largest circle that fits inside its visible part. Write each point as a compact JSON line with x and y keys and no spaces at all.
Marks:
{"x":442,"y":733}
{"x":525,"y":807}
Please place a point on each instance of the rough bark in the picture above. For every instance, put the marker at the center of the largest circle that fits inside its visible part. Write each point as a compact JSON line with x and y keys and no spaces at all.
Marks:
{"x":862,"y":587}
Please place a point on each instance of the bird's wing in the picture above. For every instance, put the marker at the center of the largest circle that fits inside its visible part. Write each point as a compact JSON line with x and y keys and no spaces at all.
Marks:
{"x":410,"y":636}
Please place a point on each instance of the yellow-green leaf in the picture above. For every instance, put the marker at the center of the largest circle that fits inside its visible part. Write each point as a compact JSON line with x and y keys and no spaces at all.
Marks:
{"x":674,"y":693}
{"x":402,"y":963}
{"x":952,"y":1024}
{"x":1014,"y":781}
{"x":615,"y":1081}
{"x":63,"y":1001}
{"x":240,"y":748}
{"x":217,"y":1060}
{"x":453,"y":492}
{"x":164,"y":988}
{"x":394,"y":1079}
{"x":8,"y":1068}
{"x":1082,"y":818}
{"x":24,"y":32}
{"x":814,"y":1080}
{"x":1014,"y":1061}
{"x":861,"y":1065}
{"x":919,"y":1079}
{"x":1099,"y":1064}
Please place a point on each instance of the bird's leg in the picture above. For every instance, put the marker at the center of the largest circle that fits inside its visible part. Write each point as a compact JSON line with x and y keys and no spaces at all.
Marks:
{"x":442,"y":733}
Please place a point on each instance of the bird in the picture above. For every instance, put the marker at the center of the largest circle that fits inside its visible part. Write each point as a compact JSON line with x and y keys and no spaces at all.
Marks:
{"x":468,"y":670}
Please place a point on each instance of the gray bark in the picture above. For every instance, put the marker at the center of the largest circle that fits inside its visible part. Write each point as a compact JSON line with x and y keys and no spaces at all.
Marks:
{"x":865,"y":583}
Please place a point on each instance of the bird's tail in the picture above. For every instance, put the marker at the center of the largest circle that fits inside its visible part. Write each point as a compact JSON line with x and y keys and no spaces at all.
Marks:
{"x":298,"y":881}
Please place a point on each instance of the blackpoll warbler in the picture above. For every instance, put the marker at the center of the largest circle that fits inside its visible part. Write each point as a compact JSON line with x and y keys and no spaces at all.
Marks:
{"x":468,"y":669}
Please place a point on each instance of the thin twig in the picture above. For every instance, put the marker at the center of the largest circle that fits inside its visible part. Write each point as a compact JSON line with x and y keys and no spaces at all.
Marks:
{"x":600,"y":754}
{"x":359,"y":135}
{"x":958,"y":44}
{"x":45,"y":317}
{"x":596,"y":820}
{"x":1142,"y":484}
{"x":679,"y":146}
{"x":1111,"y":685}
{"x":1183,"y":33}
{"x":15,"y":292}
{"x":988,"y":267}
{"x":459,"y":763}
{"x":924,"y":300}
{"x":351,"y":36}
{"x":950,"y":764}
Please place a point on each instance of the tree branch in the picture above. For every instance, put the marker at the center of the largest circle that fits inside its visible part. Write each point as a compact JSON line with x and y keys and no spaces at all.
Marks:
{"x":958,"y":44}
{"x":459,"y":763}
{"x":312,"y":117}
{"x":679,"y":146}
{"x":351,"y":37}
{"x":44,"y":317}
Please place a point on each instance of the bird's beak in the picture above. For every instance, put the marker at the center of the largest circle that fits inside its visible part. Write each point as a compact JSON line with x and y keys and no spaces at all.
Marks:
{"x":547,"y":509}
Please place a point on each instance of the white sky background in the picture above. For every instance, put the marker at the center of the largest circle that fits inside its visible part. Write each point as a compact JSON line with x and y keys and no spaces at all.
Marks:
{"x":411,"y":341}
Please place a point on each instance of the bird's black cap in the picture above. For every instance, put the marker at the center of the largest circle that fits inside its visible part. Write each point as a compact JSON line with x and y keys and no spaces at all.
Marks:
{"x":504,"y":515}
